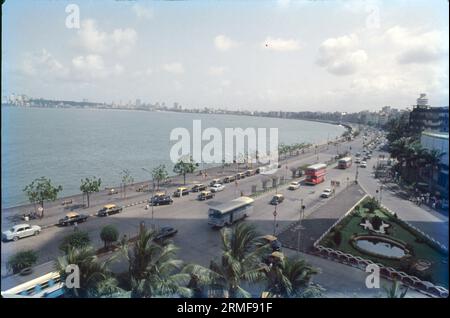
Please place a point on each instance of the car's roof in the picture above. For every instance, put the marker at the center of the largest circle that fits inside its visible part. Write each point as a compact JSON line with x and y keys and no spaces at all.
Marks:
{"x":270,"y":238}
{"x":278,"y":195}
{"x":20,"y":225}
{"x":205,"y":192}
{"x":159,"y":193}
{"x":72,"y":214}
{"x":181,"y":188}
{"x":110,"y":206}
{"x":217,"y":184}
{"x":295,"y":182}
{"x":327,"y":189}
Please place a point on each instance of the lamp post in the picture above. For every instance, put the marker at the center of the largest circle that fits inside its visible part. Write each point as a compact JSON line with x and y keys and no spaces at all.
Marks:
{"x":356,"y":175}
{"x":153,"y":194}
{"x":274,"y":220}
{"x":300,"y":218}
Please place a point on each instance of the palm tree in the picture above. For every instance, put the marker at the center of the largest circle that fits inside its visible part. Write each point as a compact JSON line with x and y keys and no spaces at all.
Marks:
{"x":433,"y":160}
{"x":240,"y":262}
{"x":153,"y":269}
{"x":394,"y":291}
{"x":290,"y":277}
{"x":95,"y":278}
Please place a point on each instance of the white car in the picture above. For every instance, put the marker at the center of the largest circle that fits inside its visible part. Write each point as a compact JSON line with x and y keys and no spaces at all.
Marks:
{"x":363,"y":164}
{"x":20,"y":231}
{"x":294,"y":185}
{"x":217,"y":187}
{"x":326,"y":193}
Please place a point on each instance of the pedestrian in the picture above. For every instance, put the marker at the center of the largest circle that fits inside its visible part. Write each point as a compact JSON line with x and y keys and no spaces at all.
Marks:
{"x":75,"y":226}
{"x":147,"y":206}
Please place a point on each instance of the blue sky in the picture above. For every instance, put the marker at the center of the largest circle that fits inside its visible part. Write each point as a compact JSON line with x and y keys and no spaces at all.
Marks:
{"x":256,"y":55}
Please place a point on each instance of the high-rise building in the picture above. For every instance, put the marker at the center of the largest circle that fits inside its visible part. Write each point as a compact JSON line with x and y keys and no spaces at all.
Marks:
{"x":424,"y":117}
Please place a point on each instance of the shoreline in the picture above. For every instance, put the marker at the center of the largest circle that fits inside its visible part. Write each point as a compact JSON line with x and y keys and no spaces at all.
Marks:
{"x":25,"y":205}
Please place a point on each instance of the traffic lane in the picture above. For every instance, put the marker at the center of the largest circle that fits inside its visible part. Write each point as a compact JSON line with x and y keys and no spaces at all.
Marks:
{"x":187,"y":207}
{"x":49,"y":240}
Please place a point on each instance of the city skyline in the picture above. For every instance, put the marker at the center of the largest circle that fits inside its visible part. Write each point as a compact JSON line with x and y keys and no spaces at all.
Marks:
{"x":368,"y":53}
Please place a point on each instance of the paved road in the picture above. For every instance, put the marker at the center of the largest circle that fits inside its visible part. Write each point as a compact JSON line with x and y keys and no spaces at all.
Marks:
{"x":302,"y":234}
{"x":197,"y":241}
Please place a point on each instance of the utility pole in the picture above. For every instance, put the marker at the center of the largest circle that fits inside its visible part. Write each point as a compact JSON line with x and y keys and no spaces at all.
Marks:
{"x":274,"y":220}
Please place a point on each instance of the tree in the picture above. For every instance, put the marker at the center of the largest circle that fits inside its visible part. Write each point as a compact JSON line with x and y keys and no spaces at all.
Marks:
{"x":290,"y":277}
{"x":184,"y":167}
{"x":153,"y":269}
{"x":159,"y":174}
{"x":376,"y":222}
{"x":395,"y":291}
{"x":22,"y":260}
{"x":95,"y":278}
{"x":126,"y":179}
{"x":41,"y":190}
{"x":109,"y":235}
{"x":89,"y":185}
{"x":240,"y":262}
{"x":78,"y":239}
{"x":371,"y":205}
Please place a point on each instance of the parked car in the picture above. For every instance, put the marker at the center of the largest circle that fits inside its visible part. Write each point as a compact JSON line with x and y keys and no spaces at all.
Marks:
{"x":181,"y":191}
{"x":72,"y":218}
{"x":249,"y":172}
{"x":161,"y":199}
{"x":217,"y":187}
{"x":240,"y":175}
{"x":277,"y":199}
{"x":214,"y":181}
{"x":113,"y":191}
{"x":165,"y":232}
{"x":294,"y":185}
{"x":357,"y":160}
{"x":198,"y":187}
{"x":227,"y":179}
{"x":205,"y":195}
{"x":20,"y":231}
{"x":109,"y":209}
{"x":326,"y":193}
{"x":363,"y":164}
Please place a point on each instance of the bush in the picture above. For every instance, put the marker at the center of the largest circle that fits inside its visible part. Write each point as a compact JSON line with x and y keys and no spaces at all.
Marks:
{"x":376,"y":222}
{"x":22,"y":260}
{"x":371,"y":205}
{"x":77,"y":239}
{"x":109,"y":234}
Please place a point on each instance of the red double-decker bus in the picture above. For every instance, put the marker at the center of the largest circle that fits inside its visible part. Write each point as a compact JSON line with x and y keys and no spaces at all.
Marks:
{"x":316,"y":173}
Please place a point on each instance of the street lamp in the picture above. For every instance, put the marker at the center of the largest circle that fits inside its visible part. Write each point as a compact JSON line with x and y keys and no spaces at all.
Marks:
{"x":356,"y":175}
{"x":274,"y":220}
{"x":153,"y":194}
{"x":300,"y":217}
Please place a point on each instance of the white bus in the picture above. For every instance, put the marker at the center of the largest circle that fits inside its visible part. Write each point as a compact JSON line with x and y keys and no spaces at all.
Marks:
{"x":45,"y":286}
{"x":344,"y":163}
{"x":228,"y":213}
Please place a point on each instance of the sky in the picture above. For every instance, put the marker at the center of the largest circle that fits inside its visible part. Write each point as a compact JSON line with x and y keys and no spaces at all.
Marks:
{"x":241,"y":55}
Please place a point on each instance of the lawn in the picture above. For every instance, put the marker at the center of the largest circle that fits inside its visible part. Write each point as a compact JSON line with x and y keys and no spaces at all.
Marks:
{"x":420,"y":247}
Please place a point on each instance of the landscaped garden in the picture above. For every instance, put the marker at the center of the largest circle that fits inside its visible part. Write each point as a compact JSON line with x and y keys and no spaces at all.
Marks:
{"x":373,"y":233}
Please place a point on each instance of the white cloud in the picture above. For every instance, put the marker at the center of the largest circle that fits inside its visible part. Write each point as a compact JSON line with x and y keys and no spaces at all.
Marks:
{"x":224,"y":43}
{"x":416,"y":45}
{"x":340,"y":56}
{"x":43,"y":64}
{"x":91,"y":39}
{"x":175,"y":68}
{"x":217,"y":70}
{"x":280,"y":44}
{"x":142,"y":12}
